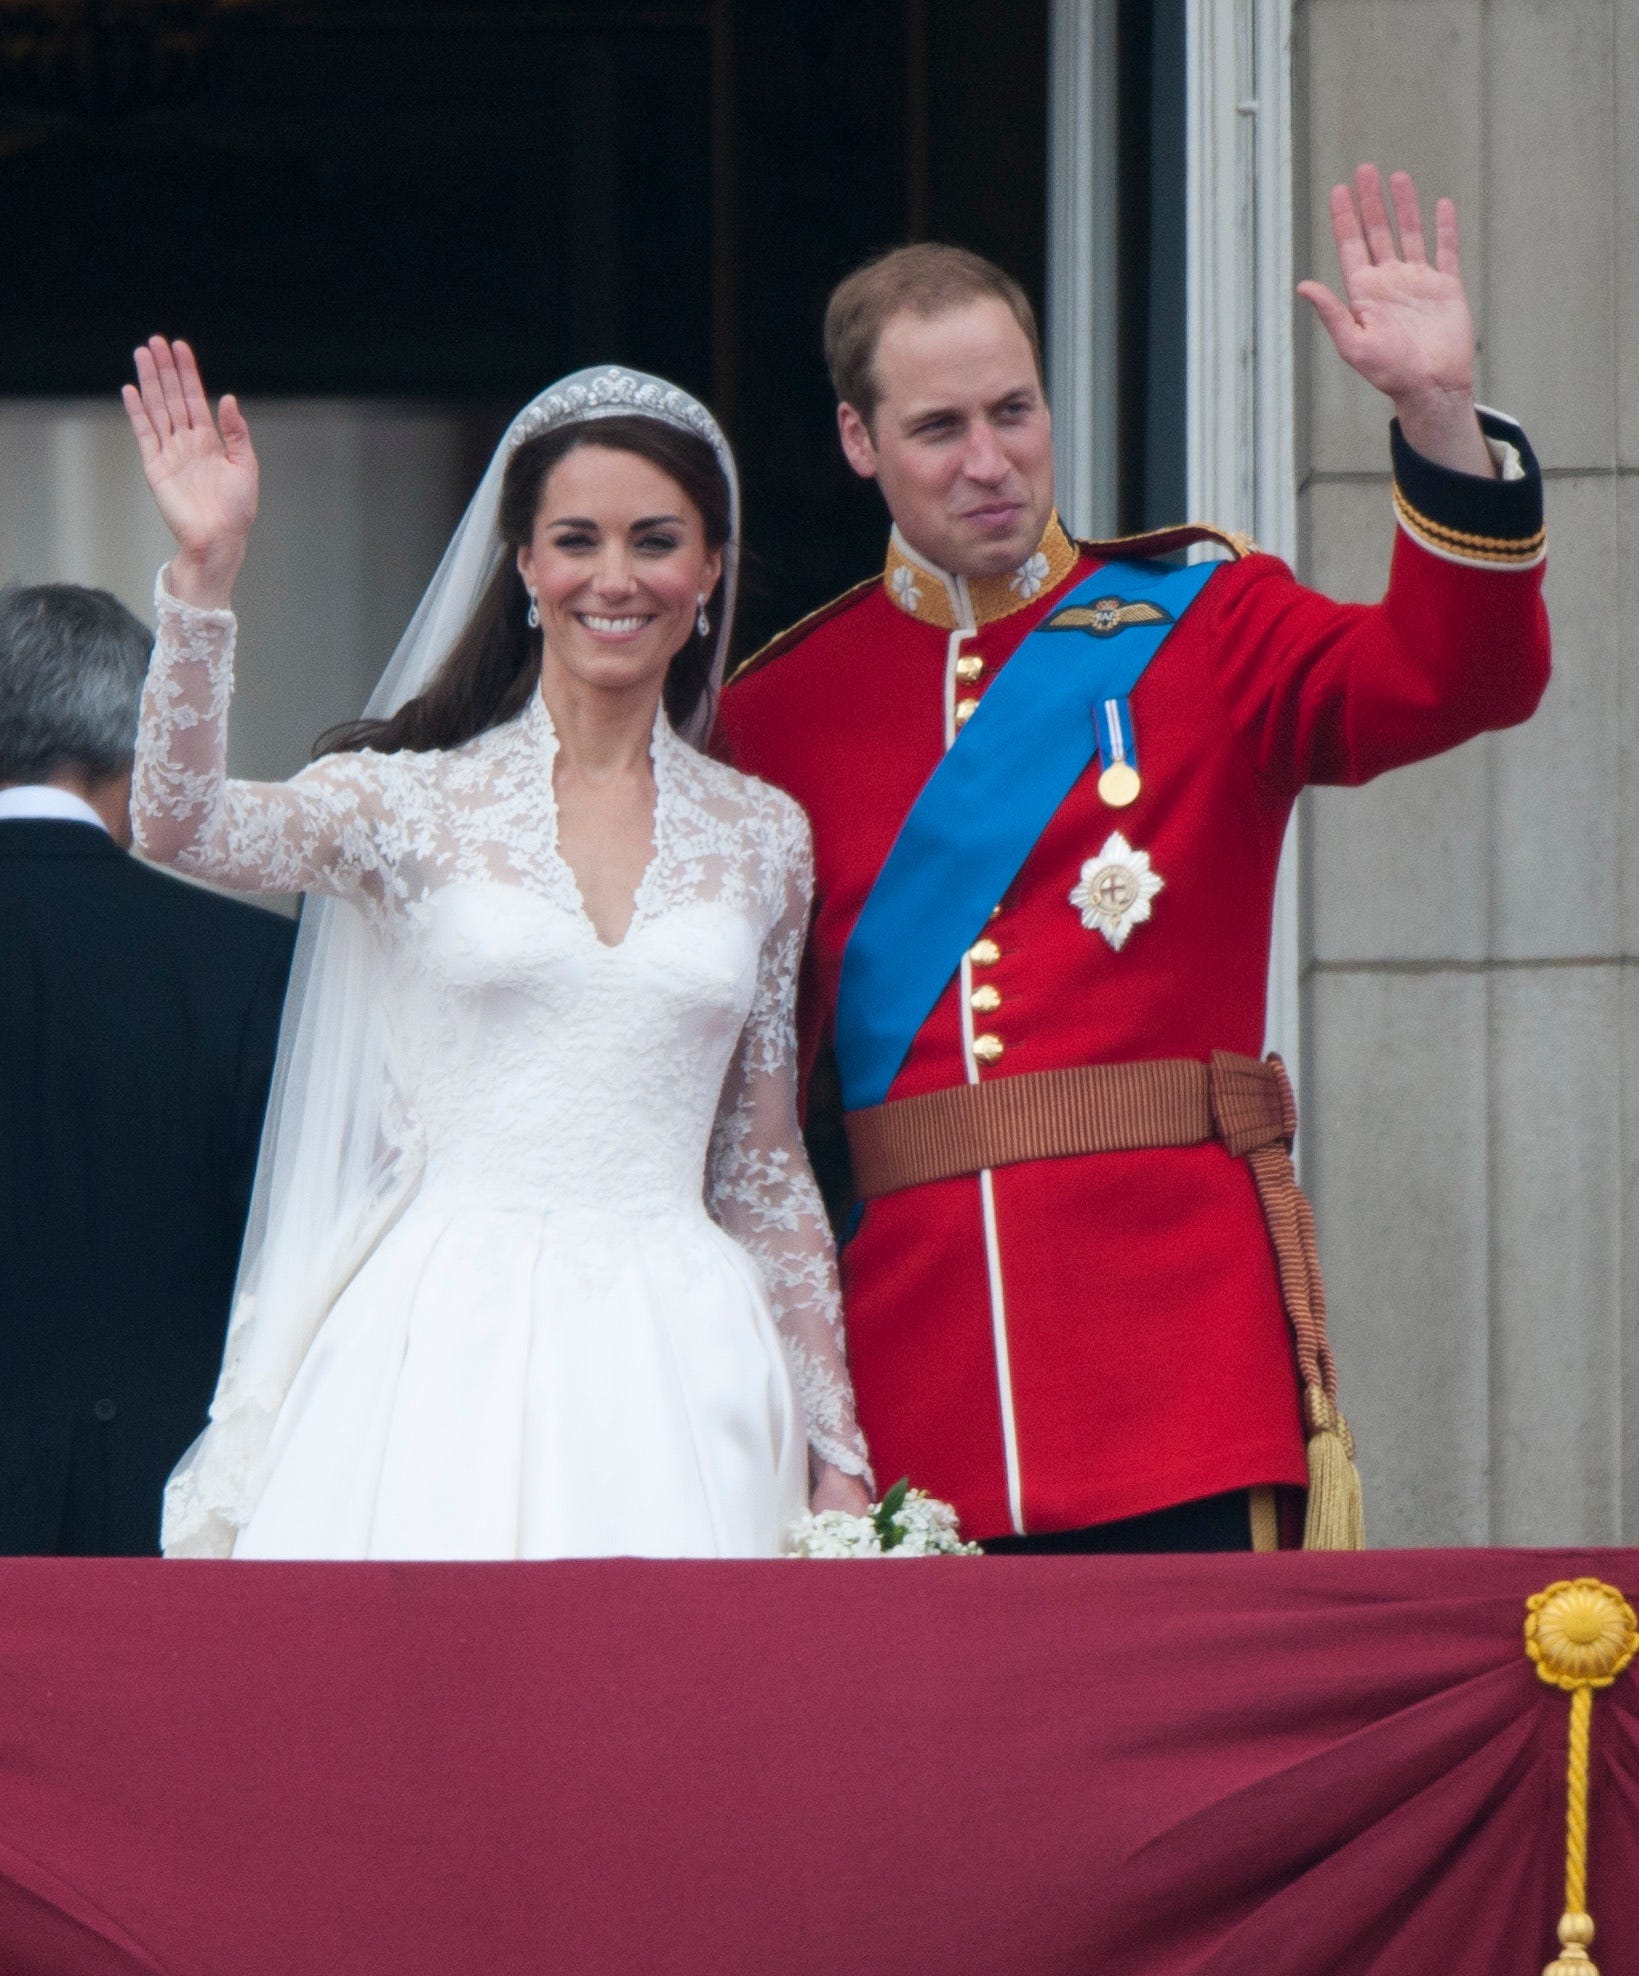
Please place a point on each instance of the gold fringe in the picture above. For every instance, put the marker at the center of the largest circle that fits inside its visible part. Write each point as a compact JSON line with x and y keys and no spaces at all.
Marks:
{"x":1336,"y":1518}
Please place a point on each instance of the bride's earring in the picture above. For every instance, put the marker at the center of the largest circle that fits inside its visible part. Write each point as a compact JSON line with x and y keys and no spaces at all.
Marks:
{"x":534,"y":618}
{"x":702,"y":623}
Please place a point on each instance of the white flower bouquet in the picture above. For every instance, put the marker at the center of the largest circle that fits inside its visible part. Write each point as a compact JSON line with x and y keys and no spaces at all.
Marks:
{"x":906,"y":1523}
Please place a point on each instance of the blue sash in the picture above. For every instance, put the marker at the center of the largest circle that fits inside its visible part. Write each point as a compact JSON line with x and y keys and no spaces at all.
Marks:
{"x":1059,"y":700}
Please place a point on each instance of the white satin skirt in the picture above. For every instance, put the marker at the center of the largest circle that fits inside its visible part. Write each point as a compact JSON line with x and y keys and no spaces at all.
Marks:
{"x":499,"y":1382}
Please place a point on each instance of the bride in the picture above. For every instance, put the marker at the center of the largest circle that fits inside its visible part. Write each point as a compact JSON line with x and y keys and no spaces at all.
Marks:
{"x":535,"y":1265}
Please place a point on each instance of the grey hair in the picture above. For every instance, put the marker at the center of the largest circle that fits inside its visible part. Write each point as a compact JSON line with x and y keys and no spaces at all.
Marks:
{"x":72,"y":663}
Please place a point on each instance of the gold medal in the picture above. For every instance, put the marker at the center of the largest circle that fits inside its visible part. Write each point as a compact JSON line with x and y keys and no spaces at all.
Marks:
{"x":1119,"y":785}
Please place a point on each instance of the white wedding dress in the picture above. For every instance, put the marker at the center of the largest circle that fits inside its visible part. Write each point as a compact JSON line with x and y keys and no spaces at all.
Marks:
{"x":605,"y":1318}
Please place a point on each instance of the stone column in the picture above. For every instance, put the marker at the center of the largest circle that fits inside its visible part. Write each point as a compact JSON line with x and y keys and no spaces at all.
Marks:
{"x":1471,"y":1001}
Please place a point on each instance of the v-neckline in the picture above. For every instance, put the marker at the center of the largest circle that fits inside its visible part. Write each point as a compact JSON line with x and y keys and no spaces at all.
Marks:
{"x":660,"y":735}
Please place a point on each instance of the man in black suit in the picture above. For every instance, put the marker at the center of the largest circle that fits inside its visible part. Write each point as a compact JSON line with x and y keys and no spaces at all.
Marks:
{"x":138,"y":1021}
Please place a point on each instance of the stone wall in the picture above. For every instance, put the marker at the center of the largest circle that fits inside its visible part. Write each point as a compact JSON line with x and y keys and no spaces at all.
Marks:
{"x":1471,"y":999}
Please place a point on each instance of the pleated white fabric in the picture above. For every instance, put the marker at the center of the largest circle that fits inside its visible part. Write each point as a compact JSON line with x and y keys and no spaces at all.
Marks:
{"x":502,"y":1382}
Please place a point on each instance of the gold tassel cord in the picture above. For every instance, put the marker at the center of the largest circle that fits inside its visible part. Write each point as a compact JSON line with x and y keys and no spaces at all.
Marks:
{"x":1335,"y":1519}
{"x":1576,"y":1806}
{"x":1581,"y":1634}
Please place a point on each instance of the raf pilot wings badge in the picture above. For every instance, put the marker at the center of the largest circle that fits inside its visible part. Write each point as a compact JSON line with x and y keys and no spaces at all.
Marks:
{"x":1105,"y":616}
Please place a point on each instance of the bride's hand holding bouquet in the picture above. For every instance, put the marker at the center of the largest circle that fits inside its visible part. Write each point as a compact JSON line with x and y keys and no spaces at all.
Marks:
{"x":906,"y":1523}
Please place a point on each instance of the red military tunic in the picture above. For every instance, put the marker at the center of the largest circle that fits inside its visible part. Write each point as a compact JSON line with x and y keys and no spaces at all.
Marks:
{"x":1064,"y":1342}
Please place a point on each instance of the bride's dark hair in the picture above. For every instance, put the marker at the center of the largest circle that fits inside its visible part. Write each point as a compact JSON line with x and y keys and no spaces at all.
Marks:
{"x":492,"y":668}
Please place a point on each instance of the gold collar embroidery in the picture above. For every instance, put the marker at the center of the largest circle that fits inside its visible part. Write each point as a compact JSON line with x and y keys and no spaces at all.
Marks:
{"x":935,"y":597}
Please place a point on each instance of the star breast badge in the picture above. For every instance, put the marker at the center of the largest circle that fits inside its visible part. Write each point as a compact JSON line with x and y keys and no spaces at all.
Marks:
{"x":1115,"y":890}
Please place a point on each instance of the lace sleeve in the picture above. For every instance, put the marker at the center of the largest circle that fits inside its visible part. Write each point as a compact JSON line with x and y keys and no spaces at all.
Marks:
{"x":327,"y":830}
{"x":761,"y":1190}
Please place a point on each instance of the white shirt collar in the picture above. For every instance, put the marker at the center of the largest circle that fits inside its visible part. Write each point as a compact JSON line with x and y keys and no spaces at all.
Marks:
{"x":39,"y":802}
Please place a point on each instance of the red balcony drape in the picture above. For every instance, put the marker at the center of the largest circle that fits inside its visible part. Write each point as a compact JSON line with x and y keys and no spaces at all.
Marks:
{"x":1282,"y":1765}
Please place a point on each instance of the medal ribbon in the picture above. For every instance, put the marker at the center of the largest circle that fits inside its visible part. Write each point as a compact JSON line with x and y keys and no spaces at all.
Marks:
{"x":1058,"y":702}
{"x":1116,"y":741}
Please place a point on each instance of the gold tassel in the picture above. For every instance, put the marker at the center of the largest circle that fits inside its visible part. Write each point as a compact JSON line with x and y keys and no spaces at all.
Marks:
{"x":1581,"y":1633}
{"x":1335,"y":1519}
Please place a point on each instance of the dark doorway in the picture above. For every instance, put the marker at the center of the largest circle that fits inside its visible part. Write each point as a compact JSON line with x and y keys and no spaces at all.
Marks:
{"x":1152,"y":479}
{"x":426,"y":200}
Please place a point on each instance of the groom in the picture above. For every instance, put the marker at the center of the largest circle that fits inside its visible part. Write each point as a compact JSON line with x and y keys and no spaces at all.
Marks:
{"x":1049,"y":783}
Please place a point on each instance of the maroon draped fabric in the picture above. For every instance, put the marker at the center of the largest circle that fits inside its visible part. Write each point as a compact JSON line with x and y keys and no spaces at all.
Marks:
{"x":1282,"y":1765}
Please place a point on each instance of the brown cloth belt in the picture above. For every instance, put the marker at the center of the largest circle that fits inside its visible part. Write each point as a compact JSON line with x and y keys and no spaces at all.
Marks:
{"x":1242,"y":1104}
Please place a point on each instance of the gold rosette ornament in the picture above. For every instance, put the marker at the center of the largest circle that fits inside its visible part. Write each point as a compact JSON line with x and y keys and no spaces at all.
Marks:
{"x":1581,"y":1633}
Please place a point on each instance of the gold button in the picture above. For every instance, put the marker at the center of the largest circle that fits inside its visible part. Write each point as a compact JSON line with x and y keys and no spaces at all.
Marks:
{"x":969,"y":667}
{"x":987,"y":1049}
{"x":986,"y":998}
{"x":965,"y":710}
{"x":984,"y":953}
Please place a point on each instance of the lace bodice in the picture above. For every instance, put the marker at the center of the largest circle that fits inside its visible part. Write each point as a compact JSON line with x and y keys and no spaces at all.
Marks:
{"x":651,"y":1077}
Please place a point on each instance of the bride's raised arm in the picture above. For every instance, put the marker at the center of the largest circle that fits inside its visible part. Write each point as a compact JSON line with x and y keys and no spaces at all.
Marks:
{"x":329,"y":829}
{"x":761,"y":1190}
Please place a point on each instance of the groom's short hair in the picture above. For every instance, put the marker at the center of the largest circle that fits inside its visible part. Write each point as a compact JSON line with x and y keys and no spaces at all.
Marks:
{"x":922,"y":280}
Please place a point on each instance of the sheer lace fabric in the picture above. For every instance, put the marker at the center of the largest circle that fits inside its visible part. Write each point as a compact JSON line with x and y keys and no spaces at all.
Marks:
{"x":648,"y":1079}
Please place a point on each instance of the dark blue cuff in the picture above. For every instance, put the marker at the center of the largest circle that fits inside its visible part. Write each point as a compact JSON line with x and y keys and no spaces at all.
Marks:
{"x":1465,"y":516}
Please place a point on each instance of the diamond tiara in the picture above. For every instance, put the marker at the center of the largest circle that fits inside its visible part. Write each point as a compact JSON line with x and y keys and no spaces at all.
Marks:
{"x":610,"y":392}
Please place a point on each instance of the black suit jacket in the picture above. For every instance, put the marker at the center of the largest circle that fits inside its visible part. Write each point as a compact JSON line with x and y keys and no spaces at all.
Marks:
{"x":138,"y":1022}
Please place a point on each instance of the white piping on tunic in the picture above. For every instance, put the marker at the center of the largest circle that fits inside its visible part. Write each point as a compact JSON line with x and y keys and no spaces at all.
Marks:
{"x":987,"y":1194}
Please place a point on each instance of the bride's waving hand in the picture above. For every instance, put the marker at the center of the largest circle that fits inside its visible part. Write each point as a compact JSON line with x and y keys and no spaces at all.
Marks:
{"x":326,"y":829}
{"x":202,"y":471}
